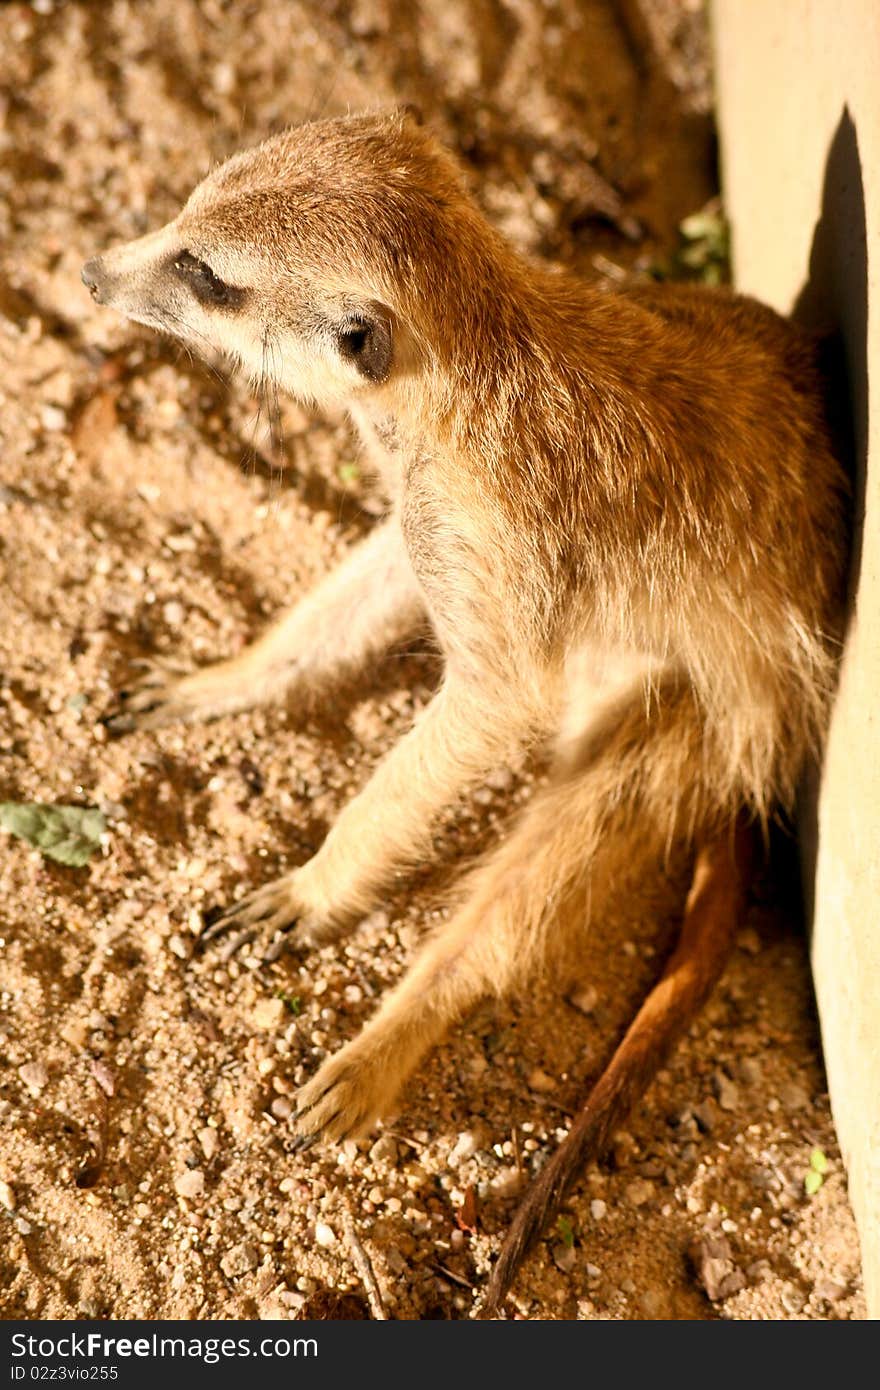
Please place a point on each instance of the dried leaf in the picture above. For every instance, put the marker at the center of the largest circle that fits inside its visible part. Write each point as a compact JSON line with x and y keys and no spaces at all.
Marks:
{"x":466,"y":1215}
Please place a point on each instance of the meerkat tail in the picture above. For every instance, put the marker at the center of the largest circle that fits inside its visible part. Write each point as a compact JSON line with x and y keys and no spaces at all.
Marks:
{"x":715,"y":904}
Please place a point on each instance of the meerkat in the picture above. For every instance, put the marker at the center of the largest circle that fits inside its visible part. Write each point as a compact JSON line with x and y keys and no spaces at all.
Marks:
{"x":621,"y":516}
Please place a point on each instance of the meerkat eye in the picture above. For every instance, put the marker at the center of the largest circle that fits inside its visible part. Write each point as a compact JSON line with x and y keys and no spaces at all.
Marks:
{"x":367,"y":341}
{"x":205,"y":285}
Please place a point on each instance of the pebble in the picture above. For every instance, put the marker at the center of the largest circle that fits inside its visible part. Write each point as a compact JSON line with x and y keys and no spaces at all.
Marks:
{"x":749,"y":1069}
{"x":598,"y":1209}
{"x":464,"y":1146}
{"x":190,"y":1184}
{"x":75,"y":1034}
{"x":209,"y":1140}
{"x":793,"y":1298}
{"x":324,"y":1235}
{"x":34,"y":1075}
{"x":712,"y":1259}
{"x":564,"y":1257}
{"x":501,"y":780}
{"x":829,"y":1290}
{"x":584,"y":999}
{"x":7,"y":1197}
{"x":174,"y":613}
{"x":241,"y":1259}
{"x":542,"y":1083}
{"x":638,"y":1192}
{"x":706,"y":1115}
{"x":725,"y":1091}
{"x":53,"y":418}
{"x":384,"y":1150}
{"x":282,"y":1107}
{"x":269,"y":1014}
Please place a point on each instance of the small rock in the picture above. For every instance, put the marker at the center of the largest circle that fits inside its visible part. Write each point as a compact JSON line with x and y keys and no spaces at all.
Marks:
{"x":651,"y":1304}
{"x":501,"y":780}
{"x":584,"y":999}
{"x":706,"y":1115}
{"x":384,"y":1151}
{"x":598,"y":1209}
{"x":829,"y":1290}
{"x":725,"y":1090}
{"x":712,"y":1259}
{"x":174,"y":613}
{"x":793,"y":1298}
{"x":464,"y":1146}
{"x":793,"y":1096}
{"x":564,"y":1257}
{"x":7,"y":1197}
{"x":324,"y":1234}
{"x":506,"y":1182}
{"x":34,"y":1075}
{"x":638,"y":1192}
{"x":209,"y":1140}
{"x":269,"y":1014}
{"x":190,"y":1184}
{"x":75,"y":1034}
{"x":53,"y":418}
{"x":542,"y":1083}
{"x":749,"y":1070}
{"x":282,"y":1107}
{"x":241,"y":1259}
{"x":178,"y":946}
{"x":23,"y":1227}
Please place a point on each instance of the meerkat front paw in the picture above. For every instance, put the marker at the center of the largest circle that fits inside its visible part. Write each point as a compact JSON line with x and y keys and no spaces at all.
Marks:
{"x":269,"y":915}
{"x":163,"y":694}
{"x":348,"y":1094}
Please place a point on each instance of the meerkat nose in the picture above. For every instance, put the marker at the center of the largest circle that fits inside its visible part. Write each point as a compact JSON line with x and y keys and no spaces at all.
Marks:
{"x":92,"y":275}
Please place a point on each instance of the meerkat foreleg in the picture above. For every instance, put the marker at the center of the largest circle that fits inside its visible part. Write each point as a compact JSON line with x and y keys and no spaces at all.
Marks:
{"x":359,"y":610}
{"x":458,"y":738}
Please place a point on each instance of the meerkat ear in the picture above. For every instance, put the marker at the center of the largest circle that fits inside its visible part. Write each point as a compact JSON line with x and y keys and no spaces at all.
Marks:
{"x":367,"y":340}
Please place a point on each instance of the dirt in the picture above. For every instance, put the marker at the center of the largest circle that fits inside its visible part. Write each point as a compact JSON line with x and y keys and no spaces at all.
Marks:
{"x":151,"y":505}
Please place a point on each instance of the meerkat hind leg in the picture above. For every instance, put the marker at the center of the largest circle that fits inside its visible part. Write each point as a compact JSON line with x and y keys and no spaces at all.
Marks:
{"x":713,"y":911}
{"x":524,"y":903}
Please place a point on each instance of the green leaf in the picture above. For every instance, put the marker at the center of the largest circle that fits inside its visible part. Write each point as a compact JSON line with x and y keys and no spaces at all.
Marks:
{"x":812,"y":1182}
{"x":703,"y":226}
{"x":293,"y":1002}
{"x":566,"y":1231}
{"x":818,"y":1161}
{"x":68,"y":834}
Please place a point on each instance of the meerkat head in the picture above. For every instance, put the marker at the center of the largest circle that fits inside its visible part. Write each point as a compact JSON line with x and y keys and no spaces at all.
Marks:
{"x":306,"y":259}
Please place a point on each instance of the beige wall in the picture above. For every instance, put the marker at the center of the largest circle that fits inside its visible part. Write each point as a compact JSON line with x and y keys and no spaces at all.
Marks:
{"x":799,"y":111}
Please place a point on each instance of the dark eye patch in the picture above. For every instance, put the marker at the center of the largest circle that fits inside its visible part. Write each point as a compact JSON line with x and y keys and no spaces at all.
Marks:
{"x":207,"y":287}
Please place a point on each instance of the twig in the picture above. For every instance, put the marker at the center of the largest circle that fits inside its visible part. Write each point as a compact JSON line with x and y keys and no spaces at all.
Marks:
{"x":364,"y":1268}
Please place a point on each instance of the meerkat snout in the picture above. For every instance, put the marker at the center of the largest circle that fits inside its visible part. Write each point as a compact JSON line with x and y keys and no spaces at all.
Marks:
{"x":92,"y":276}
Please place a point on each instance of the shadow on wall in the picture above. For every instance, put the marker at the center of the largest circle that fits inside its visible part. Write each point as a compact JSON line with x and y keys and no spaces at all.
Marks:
{"x":834,"y":301}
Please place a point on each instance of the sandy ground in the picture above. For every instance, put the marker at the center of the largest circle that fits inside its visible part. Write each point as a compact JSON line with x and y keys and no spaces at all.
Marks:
{"x":145,"y":507}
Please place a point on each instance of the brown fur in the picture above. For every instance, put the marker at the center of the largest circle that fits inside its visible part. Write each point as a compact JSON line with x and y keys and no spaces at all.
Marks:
{"x":619,"y":512}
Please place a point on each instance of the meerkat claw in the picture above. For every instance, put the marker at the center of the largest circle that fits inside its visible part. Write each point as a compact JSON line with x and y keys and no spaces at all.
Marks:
{"x":268,"y":914}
